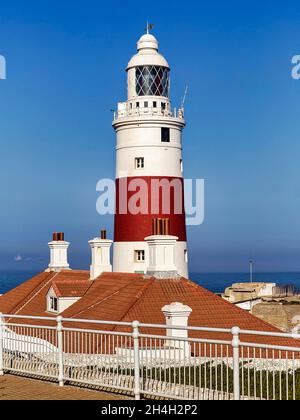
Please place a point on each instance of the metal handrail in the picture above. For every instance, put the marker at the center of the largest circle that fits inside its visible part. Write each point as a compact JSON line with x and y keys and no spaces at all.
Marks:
{"x":292,"y":336}
{"x":142,"y":363}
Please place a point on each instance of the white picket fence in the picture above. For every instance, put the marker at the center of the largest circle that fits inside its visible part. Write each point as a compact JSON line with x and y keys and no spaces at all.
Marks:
{"x":151,"y":365}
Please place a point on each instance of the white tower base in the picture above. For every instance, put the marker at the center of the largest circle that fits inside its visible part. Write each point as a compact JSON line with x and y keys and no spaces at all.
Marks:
{"x":124,"y":258}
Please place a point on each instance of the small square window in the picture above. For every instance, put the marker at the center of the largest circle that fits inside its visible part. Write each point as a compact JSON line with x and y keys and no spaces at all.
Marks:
{"x":139,"y":256}
{"x":163,"y":106}
{"x":139,"y":163}
{"x":154,"y":104}
{"x":165,"y":135}
{"x":146,"y":104}
{"x":137,"y":104}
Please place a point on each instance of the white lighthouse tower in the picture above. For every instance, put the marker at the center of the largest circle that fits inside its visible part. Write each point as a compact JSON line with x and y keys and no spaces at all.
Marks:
{"x":148,"y":148}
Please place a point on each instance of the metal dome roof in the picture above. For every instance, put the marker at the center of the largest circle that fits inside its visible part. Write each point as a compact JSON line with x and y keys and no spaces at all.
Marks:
{"x":148,"y":54}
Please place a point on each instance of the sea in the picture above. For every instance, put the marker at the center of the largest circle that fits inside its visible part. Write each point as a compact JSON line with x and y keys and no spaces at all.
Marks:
{"x":215,"y":282}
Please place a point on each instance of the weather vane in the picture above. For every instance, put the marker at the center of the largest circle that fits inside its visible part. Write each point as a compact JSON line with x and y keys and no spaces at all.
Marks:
{"x":150,"y":26}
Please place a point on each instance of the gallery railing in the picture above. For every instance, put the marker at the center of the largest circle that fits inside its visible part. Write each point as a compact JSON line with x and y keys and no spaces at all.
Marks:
{"x":148,"y":360}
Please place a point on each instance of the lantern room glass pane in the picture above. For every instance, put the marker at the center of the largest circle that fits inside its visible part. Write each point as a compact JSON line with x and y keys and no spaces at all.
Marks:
{"x":152,"y":81}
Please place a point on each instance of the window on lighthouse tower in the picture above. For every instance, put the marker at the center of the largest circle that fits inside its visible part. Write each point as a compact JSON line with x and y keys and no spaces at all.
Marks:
{"x":140,"y":256}
{"x":165,"y":135}
{"x":139,"y":163}
{"x":152,"y":81}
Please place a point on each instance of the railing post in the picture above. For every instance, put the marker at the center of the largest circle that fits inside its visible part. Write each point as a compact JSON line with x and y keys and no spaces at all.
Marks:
{"x":59,"y":329}
{"x":135,"y":336}
{"x":1,"y":344}
{"x":236,"y":363}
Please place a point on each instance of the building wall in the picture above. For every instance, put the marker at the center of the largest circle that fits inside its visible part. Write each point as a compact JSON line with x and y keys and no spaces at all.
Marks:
{"x":65,"y":303}
{"x":124,"y":258}
{"x":140,"y":137}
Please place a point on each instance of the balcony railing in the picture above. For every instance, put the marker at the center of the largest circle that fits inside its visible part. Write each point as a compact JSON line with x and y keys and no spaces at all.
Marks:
{"x":149,"y":111}
{"x":145,"y":361}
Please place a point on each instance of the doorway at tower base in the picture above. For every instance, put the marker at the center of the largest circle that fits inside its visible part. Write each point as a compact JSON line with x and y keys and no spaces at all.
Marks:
{"x":127,"y":256}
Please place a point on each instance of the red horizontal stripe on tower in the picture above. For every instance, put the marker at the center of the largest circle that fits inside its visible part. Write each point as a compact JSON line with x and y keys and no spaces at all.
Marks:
{"x":140,"y":200}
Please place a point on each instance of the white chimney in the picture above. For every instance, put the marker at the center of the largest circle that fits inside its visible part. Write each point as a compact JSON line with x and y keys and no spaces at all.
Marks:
{"x":58,"y":253}
{"x":162,"y":248}
{"x":177,"y":315}
{"x":162,"y":256}
{"x":100,"y":256}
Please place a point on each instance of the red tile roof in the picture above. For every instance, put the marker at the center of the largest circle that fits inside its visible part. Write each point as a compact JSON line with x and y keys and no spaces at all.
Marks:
{"x":129,"y":297}
{"x":65,"y":288}
{"x":14,"y":300}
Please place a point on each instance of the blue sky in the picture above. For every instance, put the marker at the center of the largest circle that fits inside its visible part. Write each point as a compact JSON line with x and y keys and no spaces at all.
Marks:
{"x":65,"y":72}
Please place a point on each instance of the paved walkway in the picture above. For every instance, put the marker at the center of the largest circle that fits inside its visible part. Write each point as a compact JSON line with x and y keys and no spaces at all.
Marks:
{"x":18,"y":388}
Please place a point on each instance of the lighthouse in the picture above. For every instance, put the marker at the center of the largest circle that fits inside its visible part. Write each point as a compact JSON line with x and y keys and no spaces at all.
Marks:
{"x":149,"y":163}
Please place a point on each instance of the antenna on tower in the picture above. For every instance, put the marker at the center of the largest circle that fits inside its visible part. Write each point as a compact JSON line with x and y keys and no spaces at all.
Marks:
{"x":184,"y":96}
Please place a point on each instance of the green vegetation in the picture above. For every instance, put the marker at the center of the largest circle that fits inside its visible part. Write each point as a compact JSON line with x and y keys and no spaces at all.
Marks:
{"x":259,"y":384}
{"x":263,"y":384}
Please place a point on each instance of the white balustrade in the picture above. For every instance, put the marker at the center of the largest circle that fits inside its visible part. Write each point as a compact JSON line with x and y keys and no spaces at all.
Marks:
{"x":129,"y":358}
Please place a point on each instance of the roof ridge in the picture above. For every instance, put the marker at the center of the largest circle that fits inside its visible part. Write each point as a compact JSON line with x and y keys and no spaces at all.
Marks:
{"x":54,"y":287}
{"x":74,"y":271}
{"x":98,"y":301}
{"x":16,"y":306}
{"x":34,"y":293}
{"x":149,"y":282}
{"x":91,"y":283}
{"x":64,"y":281}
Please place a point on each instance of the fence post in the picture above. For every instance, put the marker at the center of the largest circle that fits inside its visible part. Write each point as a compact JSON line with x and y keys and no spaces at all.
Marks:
{"x":1,"y":344}
{"x":60,"y":351}
{"x":236,"y":363}
{"x":135,"y":336}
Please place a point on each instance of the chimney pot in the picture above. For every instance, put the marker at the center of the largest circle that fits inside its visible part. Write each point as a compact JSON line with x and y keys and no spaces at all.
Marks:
{"x":166,"y":227}
{"x":154,"y":227}
{"x":58,"y":237}
{"x":160,"y":227}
